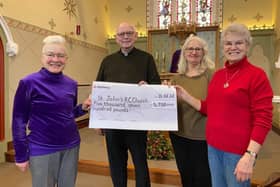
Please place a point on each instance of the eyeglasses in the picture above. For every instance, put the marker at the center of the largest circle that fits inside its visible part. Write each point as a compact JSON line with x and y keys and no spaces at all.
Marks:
{"x":234,"y":43}
{"x":196,"y":49}
{"x":128,"y":34}
{"x":58,"y":55}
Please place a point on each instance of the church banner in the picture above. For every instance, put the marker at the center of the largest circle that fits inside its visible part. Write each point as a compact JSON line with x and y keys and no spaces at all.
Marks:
{"x":133,"y":107}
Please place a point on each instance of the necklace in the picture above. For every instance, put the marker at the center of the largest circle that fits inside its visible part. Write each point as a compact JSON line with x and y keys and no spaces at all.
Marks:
{"x":228,"y":79}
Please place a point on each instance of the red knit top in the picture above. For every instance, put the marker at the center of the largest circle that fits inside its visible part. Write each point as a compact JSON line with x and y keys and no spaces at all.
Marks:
{"x":240,"y":111}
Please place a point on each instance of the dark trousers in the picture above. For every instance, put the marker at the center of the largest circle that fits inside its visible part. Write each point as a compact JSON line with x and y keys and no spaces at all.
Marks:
{"x":118,"y":143}
{"x":192,"y":161}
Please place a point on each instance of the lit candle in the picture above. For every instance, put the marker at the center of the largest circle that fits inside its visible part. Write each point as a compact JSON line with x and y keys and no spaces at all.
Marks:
{"x":163,"y":55}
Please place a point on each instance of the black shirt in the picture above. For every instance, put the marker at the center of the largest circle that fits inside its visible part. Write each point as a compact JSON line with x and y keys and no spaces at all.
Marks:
{"x":138,"y":65}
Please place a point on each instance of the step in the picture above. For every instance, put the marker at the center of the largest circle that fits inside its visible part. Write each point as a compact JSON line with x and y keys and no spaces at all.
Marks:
{"x":157,"y":175}
{"x":10,"y":155}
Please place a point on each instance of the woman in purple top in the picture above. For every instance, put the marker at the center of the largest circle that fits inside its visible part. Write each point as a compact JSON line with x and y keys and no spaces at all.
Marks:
{"x":45,"y":103}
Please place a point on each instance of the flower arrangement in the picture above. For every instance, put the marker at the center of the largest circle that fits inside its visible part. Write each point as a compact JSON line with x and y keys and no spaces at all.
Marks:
{"x":158,"y":146}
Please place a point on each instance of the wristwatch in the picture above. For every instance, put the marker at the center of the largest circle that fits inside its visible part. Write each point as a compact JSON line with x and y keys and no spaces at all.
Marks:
{"x":252,"y":153}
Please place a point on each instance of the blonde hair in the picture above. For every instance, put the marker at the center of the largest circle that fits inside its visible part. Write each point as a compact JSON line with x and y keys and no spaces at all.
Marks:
{"x":53,"y":39}
{"x":206,"y":62}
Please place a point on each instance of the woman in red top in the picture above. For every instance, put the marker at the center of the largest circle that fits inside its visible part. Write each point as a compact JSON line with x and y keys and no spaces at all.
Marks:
{"x":239,"y":111}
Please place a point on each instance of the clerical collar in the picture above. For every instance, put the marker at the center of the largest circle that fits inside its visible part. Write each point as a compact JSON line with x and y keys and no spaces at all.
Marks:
{"x":126,"y":53}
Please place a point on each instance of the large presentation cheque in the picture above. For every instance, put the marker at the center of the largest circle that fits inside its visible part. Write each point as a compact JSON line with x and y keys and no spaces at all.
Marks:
{"x":130,"y":106}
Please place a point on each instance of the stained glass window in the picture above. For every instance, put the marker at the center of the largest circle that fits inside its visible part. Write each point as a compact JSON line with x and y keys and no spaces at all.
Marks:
{"x":184,"y":11}
{"x":164,"y":13}
{"x":161,"y":13}
{"x":203,"y":12}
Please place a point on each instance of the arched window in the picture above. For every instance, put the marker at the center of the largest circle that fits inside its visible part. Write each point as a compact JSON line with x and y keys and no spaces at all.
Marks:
{"x":2,"y":91}
{"x":161,"y":13}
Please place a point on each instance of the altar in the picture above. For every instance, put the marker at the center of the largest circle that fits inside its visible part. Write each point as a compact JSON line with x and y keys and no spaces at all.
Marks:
{"x":162,"y":43}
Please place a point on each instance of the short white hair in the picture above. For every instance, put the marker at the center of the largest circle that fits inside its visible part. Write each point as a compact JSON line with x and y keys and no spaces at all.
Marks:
{"x":53,"y":39}
{"x":238,"y":29}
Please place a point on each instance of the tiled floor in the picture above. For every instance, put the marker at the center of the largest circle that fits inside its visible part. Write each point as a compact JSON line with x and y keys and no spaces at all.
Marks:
{"x":92,"y":147}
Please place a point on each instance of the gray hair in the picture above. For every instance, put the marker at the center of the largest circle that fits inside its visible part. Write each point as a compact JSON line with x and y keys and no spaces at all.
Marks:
{"x":238,"y":29}
{"x":53,"y":39}
{"x":206,"y":62}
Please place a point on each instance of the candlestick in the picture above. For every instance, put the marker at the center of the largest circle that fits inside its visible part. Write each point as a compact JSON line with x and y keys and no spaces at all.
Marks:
{"x":277,"y":63}
{"x":156,"y":56}
{"x":157,"y":61}
{"x":163,"y":63}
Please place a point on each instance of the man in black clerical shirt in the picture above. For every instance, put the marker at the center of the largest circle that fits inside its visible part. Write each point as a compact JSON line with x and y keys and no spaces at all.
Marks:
{"x":128,"y":65}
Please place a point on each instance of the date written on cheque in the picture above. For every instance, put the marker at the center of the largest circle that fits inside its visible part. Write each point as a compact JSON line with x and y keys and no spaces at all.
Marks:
{"x":165,"y":96}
